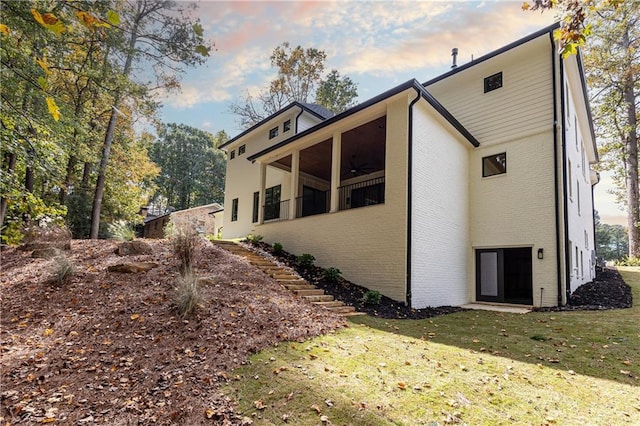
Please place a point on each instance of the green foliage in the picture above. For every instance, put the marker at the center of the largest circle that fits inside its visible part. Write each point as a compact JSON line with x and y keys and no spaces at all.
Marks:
{"x":193,"y":169}
{"x":277,"y":249}
{"x":337,"y":94}
{"x":612,"y":241}
{"x":63,"y":271}
{"x":629,"y":261}
{"x":305,"y":260}
{"x":28,"y":210}
{"x":188,"y":295}
{"x":332,"y":275}
{"x":121,"y":231}
{"x":372,"y":297}
{"x":254,"y":239}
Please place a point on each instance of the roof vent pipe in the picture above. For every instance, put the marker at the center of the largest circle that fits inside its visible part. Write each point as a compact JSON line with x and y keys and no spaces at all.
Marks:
{"x":454,"y":53}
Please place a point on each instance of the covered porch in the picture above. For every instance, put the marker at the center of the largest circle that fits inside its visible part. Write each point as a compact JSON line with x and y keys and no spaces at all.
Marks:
{"x":341,"y":172}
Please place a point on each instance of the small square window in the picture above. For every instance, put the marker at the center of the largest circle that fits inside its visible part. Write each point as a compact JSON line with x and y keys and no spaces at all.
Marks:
{"x":286,"y":126}
{"x":493,"y":82}
{"x":273,"y":133}
{"x":494,"y":165}
{"x":233,"y":154}
{"x":242,"y":149}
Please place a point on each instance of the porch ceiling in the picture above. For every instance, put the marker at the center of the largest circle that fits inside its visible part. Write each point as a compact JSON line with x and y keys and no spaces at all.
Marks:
{"x":362,"y":147}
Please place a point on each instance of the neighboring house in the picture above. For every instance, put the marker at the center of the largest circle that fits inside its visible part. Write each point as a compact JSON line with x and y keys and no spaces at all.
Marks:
{"x":474,"y":186}
{"x":207,"y":220}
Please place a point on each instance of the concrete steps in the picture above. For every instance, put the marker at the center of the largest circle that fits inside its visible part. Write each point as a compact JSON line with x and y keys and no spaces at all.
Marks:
{"x":289,"y":280}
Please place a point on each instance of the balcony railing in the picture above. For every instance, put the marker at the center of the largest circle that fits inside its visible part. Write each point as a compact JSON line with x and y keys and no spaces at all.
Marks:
{"x":274,"y":212}
{"x":361,"y":194}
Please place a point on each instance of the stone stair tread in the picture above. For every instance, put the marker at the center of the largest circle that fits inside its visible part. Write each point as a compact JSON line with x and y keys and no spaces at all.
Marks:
{"x":289,"y":280}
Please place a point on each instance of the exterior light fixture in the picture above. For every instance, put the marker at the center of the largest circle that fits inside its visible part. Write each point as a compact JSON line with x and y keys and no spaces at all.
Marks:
{"x":540,"y":253}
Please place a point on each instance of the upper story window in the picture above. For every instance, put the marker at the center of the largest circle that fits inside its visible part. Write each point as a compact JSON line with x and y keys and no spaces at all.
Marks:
{"x":493,"y":82}
{"x":286,"y":126}
{"x":570,"y":180}
{"x":494,"y":165}
{"x":233,"y":154}
{"x":273,"y":132}
{"x":242,"y":149}
{"x":568,"y":102}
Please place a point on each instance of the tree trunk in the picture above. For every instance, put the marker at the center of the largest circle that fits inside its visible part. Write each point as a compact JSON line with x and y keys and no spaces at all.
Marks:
{"x":11,"y":165}
{"x":111,"y":129}
{"x":631,"y":165}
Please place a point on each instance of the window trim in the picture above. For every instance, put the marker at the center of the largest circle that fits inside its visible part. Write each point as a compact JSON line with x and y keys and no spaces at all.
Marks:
{"x":484,"y":171}
{"x":286,"y":126}
{"x":233,"y":154}
{"x":273,"y":133}
{"x":242,"y":149}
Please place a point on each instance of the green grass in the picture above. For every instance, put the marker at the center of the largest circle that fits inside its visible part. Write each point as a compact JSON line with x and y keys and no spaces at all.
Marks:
{"x":474,"y":367}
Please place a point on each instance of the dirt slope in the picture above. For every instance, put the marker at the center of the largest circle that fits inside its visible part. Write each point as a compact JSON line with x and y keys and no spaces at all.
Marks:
{"x":107,"y":348}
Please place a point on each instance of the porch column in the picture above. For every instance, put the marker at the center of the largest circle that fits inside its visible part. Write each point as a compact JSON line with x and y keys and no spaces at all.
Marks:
{"x":295,"y":176}
{"x":263,"y":181}
{"x":336,"y":150}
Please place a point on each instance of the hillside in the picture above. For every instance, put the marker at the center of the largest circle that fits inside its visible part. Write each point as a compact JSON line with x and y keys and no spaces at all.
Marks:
{"x":108,"y":348}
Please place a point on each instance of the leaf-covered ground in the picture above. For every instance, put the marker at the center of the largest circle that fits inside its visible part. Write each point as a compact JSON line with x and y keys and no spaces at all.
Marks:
{"x":108,"y":348}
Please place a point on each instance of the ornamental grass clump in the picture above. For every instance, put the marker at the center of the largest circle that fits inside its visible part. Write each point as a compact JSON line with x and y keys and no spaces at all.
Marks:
{"x":121,"y":231}
{"x":184,"y":240}
{"x":63,"y":270}
{"x":188,"y":295}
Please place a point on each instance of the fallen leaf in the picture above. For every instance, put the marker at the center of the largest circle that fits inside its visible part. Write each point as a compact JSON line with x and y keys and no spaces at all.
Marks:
{"x":48,"y":332}
{"x":259,"y":404}
{"x":315,"y":408}
{"x":135,"y":317}
{"x":402,"y":385}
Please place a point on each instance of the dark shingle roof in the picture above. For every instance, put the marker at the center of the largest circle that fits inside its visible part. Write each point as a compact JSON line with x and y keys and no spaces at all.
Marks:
{"x":318,"y":109}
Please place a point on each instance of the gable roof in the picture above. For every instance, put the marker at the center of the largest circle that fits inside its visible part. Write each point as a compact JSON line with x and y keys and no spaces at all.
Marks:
{"x":313,"y":109}
{"x":411,"y":84}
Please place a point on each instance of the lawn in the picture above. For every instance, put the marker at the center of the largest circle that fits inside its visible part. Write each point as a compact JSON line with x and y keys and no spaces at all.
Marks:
{"x":473,"y":367}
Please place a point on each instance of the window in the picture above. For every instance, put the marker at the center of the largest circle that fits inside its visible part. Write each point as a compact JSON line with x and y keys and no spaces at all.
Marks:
{"x":493,"y":82}
{"x":578,"y":195}
{"x":286,"y":126}
{"x":494,"y":165}
{"x":272,"y":203}
{"x":234,"y":210}
{"x":577,"y":260}
{"x":581,"y":265}
{"x":273,"y":132}
{"x":233,"y":154}
{"x":569,"y":181}
{"x":584,"y":167}
{"x":242,"y":149}
{"x":256,"y":205}
{"x":586,"y":240}
{"x":571,"y":258}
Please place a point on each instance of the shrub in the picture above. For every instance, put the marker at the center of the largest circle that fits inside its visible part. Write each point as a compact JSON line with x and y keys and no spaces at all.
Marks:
{"x":188,"y":294}
{"x":184,"y":240}
{"x":628,"y":261}
{"x":277,"y":249}
{"x":254,"y":239}
{"x":305,"y":260}
{"x":372,"y":297}
{"x":332,"y":275}
{"x":121,"y":231}
{"x":63,"y":270}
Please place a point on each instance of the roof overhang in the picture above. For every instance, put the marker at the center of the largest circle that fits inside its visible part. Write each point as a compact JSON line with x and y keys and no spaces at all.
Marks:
{"x":332,"y":124}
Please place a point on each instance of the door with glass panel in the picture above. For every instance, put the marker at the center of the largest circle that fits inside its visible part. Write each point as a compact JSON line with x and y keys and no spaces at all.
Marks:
{"x":504,"y":275}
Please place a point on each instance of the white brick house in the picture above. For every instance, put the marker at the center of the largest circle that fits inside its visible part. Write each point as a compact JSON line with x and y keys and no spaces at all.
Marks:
{"x":474,"y":186}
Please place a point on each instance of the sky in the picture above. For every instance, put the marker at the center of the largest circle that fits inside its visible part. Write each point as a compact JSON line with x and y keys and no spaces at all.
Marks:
{"x":377,"y":44}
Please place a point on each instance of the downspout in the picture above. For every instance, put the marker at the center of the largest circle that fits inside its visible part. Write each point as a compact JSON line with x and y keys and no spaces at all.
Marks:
{"x":298,"y":116}
{"x":564,"y":194}
{"x":409,"y":193}
{"x":555,"y":168}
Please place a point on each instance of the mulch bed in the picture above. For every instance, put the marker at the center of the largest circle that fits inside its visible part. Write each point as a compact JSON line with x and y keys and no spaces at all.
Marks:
{"x":607,"y":291}
{"x":108,"y":348}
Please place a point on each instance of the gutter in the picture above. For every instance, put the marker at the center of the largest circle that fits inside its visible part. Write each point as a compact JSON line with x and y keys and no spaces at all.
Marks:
{"x":555,"y":167}
{"x":297,"y":117}
{"x":409,"y":193}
